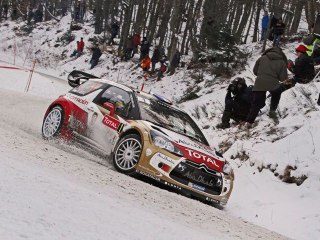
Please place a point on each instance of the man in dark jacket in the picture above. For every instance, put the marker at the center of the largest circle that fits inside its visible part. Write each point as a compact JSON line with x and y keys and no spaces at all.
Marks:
{"x":114,"y":31}
{"x":145,"y":48}
{"x":270,"y":69}
{"x":174,"y":62}
{"x":237,"y":102}
{"x":96,"y":53}
{"x":129,"y":48}
{"x":278,"y":31}
{"x":155,"y":57}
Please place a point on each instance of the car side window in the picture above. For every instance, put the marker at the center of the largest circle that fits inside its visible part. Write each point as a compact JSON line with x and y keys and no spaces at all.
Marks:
{"x":117,"y":96}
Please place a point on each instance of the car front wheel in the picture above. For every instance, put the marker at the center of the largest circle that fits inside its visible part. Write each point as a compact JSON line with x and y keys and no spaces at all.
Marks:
{"x":127,"y":154}
{"x":52,"y":123}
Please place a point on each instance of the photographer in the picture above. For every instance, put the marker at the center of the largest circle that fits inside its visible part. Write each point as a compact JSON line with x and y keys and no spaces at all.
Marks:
{"x":237,"y":102}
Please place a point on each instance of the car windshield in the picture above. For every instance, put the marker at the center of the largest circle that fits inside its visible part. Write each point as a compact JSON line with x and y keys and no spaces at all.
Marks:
{"x":168,"y":117}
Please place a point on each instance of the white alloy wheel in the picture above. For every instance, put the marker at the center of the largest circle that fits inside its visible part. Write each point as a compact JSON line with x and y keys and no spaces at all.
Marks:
{"x":127,"y":153}
{"x":52,"y":123}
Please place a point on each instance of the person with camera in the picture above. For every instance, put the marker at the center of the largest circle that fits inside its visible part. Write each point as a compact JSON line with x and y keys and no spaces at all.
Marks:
{"x":303,"y":67}
{"x":237,"y":102}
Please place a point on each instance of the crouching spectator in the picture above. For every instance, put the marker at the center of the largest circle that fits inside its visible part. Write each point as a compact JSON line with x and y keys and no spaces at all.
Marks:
{"x":303,"y":67}
{"x":237,"y":103}
{"x":96,"y":54}
{"x":145,"y":63}
{"x":76,"y":52}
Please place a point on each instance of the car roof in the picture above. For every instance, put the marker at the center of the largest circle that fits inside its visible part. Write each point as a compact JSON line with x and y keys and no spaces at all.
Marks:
{"x":138,"y":92}
{"x":119,"y":85}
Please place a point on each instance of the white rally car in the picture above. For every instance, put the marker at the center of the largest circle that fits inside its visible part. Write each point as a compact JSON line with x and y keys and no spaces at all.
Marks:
{"x":144,"y":133}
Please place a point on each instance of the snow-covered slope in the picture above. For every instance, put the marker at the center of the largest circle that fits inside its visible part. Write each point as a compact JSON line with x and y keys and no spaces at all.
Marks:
{"x":53,"y":191}
{"x":262,"y":157}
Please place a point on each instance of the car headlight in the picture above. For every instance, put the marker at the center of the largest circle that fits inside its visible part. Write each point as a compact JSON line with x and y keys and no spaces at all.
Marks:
{"x":164,"y":143}
{"x":227,"y":168}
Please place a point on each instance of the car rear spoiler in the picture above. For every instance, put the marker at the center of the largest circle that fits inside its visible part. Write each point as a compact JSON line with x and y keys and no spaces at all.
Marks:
{"x":76,"y":78}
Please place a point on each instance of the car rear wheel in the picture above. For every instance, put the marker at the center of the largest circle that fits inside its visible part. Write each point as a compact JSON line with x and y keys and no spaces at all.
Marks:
{"x":52,"y":124}
{"x":127,"y":154}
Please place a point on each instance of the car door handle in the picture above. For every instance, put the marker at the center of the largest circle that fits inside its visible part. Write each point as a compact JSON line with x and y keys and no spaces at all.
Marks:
{"x":90,"y":109}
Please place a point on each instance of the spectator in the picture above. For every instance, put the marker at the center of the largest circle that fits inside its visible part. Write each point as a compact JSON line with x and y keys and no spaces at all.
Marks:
{"x":270,"y":68}
{"x":237,"y":102}
{"x":77,"y":51}
{"x":96,"y":54}
{"x":155,"y":58}
{"x":81,"y":46}
{"x":5,"y":11}
{"x":14,"y":14}
{"x":30,"y":16}
{"x":136,"y":43}
{"x":278,"y":31}
{"x":38,"y":15}
{"x":309,"y":40}
{"x":264,"y":25}
{"x":77,"y":11}
{"x":145,"y":48}
{"x":162,"y":69}
{"x":114,"y":32}
{"x":303,"y":68}
{"x":129,"y":48}
{"x":145,"y":63}
{"x":174,"y":62}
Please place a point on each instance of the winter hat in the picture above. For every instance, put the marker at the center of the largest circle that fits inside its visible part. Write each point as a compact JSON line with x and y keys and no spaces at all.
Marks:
{"x":301,"y":48}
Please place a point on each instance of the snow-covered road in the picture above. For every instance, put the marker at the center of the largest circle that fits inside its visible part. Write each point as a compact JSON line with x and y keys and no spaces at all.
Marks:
{"x":52,"y":191}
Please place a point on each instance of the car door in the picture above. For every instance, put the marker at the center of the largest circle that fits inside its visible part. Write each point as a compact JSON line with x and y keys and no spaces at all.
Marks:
{"x":107,"y":114}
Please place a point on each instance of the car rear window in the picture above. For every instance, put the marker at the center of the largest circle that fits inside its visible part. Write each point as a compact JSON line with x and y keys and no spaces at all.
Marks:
{"x":86,"y":88}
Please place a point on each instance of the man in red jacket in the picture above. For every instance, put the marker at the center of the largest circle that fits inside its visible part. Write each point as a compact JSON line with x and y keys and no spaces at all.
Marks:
{"x":136,"y":43}
{"x":81,"y":46}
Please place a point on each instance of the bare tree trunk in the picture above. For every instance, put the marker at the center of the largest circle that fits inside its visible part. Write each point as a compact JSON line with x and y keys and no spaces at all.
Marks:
{"x":244,"y":20}
{"x":164,"y":21}
{"x":98,"y":26}
{"x":126,"y":23}
{"x":297,"y":16}
{"x":256,"y":22}
{"x":250,"y":22}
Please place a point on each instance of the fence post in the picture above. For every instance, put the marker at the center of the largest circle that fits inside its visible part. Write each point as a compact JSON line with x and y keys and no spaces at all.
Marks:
{"x":145,"y":77}
{"x":30,"y":75}
{"x":14,"y":50}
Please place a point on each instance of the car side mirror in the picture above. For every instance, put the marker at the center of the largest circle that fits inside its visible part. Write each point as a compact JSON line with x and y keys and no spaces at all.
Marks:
{"x":109,"y":106}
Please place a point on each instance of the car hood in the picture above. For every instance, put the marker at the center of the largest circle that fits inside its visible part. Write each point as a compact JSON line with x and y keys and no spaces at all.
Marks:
{"x":191,"y":149}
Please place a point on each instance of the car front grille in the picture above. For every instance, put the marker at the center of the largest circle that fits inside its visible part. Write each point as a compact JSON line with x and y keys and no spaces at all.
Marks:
{"x":197,"y":176}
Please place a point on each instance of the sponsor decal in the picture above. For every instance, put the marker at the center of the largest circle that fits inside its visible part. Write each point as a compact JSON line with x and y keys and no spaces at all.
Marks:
{"x":164,"y":158}
{"x":172,"y":185}
{"x":202,"y":147}
{"x":212,"y":200}
{"x":182,"y":167}
{"x":79,"y":100}
{"x":75,"y":124}
{"x":113,"y":123}
{"x":199,"y":178}
{"x":199,"y":157}
{"x":195,"y":186}
{"x":148,"y":175}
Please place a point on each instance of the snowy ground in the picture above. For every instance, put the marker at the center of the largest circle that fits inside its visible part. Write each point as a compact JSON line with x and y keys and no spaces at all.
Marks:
{"x":53,"y":191}
{"x":259,"y":197}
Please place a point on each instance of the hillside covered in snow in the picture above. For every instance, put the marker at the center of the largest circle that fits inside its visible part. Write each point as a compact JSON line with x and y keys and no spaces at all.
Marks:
{"x":276,"y":163}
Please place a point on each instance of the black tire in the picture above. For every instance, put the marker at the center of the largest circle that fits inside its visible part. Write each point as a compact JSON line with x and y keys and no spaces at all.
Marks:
{"x":127,"y":154}
{"x":52,"y":123}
